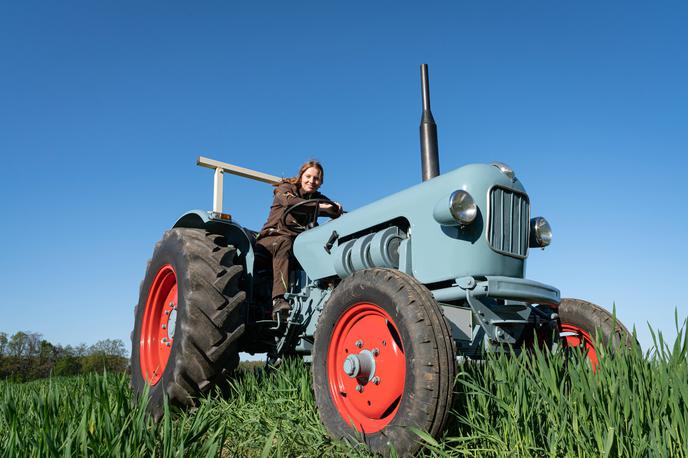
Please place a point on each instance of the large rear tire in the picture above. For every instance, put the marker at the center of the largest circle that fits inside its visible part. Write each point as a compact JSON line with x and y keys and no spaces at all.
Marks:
{"x":188,"y":318}
{"x":383,"y":362}
{"x":586,"y":324}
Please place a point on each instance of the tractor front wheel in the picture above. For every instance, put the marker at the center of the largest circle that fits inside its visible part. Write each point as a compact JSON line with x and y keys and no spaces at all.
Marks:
{"x":383,"y":362}
{"x":188,"y":319}
{"x":584,"y":324}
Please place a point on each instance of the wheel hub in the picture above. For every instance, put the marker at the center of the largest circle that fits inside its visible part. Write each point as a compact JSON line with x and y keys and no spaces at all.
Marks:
{"x":172,"y":322}
{"x":360,"y":366}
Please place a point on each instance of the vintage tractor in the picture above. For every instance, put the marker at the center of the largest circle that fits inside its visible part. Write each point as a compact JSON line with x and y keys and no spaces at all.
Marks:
{"x":386,"y":300}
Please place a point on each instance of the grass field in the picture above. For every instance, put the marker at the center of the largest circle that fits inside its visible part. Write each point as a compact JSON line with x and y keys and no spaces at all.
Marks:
{"x":532,"y":405}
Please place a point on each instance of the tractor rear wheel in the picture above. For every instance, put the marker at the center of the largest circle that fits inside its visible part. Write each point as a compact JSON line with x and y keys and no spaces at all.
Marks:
{"x":188,"y":319}
{"x":383,"y":362}
{"x":586,"y":324}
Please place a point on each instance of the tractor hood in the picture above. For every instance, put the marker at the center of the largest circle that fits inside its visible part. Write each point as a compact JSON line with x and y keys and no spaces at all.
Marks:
{"x":431,"y":251}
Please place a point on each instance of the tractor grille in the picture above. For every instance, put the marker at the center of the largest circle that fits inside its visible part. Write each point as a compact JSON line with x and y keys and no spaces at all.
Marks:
{"x":508,"y":222}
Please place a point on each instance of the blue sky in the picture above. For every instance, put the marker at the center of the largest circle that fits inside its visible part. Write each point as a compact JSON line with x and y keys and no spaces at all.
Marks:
{"x":104,"y":107}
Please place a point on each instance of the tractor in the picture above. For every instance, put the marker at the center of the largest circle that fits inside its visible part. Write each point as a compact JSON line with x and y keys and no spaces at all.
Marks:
{"x":386,"y":300}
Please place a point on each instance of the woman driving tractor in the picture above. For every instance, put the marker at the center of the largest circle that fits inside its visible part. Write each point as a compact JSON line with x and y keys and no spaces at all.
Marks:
{"x":295,"y":207}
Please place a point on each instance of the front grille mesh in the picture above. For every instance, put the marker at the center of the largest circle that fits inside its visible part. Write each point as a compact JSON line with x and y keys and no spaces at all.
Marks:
{"x":508,"y":222}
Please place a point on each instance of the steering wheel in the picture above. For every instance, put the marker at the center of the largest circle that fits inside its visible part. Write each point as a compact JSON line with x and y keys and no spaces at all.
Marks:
{"x":303,"y":206}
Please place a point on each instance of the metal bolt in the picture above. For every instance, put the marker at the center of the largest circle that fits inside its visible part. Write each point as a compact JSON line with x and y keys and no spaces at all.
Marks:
{"x":376,"y":351}
{"x":384,"y":343}
{"x":359,"y":343}
{"x":167,"y":312}
{"x":376,"y":380}
{"x":359,"y":388}
{"x":168,"y":344}
{"x":164,"y":339}
{"x":171,"y":304}
{"x":164,"y":326}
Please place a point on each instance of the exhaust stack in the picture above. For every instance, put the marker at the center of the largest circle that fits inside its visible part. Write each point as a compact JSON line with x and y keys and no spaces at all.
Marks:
{"x":429,"y":154}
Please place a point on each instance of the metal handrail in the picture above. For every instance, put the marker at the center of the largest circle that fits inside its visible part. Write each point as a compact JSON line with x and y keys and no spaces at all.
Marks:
{"x":221,"y":167}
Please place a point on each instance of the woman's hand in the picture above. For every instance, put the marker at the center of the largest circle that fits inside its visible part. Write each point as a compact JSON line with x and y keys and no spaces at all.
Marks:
{"x":335,"y":209}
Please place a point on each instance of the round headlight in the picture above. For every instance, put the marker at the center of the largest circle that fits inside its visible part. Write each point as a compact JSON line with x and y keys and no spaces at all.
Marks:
{"x":505,"y":169}
{"x":540,"y":232}
{"x":462,"y":207}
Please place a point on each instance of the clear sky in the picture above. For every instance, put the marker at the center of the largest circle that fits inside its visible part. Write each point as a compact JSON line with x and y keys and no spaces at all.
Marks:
{"x":104,"y":107}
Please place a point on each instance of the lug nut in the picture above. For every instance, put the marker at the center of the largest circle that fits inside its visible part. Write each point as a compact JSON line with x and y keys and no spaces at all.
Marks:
{"x":164,"y":326}
{"x":168,"y":344}
{"x":171,"y":304}
{"x":376,"y":351}
{"x":359,"y":343}
{"x":167,"y":312}
{"x":376,"y":380}
{"x":359,"y":388}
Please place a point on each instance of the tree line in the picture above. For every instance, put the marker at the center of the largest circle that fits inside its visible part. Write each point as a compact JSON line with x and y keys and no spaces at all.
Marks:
{"x":27,"y":356}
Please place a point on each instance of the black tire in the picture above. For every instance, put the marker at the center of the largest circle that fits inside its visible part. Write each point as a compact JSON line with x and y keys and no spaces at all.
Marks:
{"x":594,"y":320}
{"x":208,"y":317}
{"x":586,"y":326}
{"x":429,"y":358}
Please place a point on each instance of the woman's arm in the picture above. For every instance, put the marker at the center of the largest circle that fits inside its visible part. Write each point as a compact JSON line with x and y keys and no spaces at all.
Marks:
{"x":330,"y":210}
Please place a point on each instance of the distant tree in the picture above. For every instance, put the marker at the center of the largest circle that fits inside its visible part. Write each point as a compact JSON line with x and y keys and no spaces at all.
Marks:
{"x":3,"y":343}
{"x":64,"y":351}
{"x":81,"y":350}
{"x":27,"y":356}
{"x":33,"y":344}
{"x":105,"y":355}
{"x":17,"y":345}
{"x":10,"y":368}
{"x":67,"y":365}
{"x":113,"y":347}
{"x":47,"y":351}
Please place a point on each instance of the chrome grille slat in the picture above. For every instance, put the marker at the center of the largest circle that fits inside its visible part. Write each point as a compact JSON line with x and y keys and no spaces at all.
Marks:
{"x":508,"y":222}
{"x":518,"y":229}
{"x":511,"y":218}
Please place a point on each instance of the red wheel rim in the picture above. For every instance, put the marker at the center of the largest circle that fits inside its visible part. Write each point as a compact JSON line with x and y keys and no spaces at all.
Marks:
{"x":157,"y":328}
{"x":371,"y":401}
{"x":581,"y":339}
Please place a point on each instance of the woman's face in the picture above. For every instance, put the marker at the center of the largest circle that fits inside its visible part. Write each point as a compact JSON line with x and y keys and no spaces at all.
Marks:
{"x":310,"y":180}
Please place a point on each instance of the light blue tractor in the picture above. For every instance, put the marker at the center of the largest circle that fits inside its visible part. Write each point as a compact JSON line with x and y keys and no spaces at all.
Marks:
{"x":386,"y":300}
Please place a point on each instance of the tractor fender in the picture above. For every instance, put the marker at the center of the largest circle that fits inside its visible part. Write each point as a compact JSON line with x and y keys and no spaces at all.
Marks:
{"x":236,"y":235}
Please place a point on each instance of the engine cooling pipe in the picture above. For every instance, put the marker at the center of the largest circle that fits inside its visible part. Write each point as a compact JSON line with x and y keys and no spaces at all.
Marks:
{"x":429,"y":154}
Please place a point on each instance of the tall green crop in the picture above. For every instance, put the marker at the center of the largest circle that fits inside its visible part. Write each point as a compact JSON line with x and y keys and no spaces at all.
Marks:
{"x":543,"y":404}
{"x":535,"y":404}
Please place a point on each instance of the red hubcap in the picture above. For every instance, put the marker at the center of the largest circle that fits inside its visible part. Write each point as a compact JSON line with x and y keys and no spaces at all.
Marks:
{"x":366,"y":367}
{"x":159,"y":315}
{"x":581,"y":339}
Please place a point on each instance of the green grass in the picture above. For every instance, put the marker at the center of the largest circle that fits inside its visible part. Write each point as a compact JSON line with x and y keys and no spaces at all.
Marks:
{"x":532,"y":405}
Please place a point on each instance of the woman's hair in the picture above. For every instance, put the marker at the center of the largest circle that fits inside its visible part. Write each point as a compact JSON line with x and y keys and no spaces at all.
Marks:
{"x":312,"y":163}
